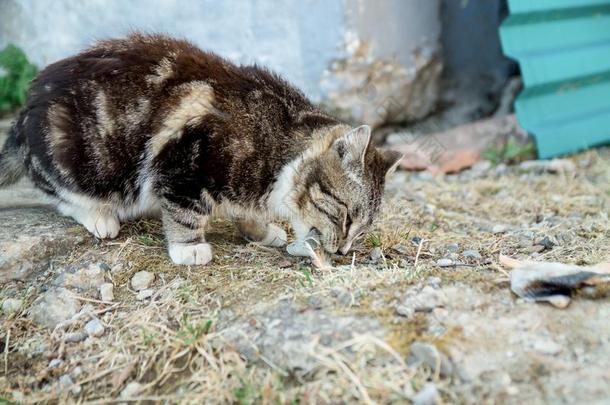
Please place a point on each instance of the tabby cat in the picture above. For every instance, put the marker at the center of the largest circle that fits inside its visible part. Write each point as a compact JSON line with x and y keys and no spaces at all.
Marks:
{"x":150,"y":124}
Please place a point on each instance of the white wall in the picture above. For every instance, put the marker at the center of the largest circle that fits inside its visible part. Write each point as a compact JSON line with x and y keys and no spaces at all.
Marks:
{"x":301,"y":39}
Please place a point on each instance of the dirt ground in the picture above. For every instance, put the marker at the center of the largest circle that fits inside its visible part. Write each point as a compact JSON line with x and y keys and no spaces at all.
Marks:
{"x":421,"y":312}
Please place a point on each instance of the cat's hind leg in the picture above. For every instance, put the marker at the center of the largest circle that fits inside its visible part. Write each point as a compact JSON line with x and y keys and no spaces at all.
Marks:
{"x":185,"y":233}
{"x":98,"y":220}
{"x":266,"y":234}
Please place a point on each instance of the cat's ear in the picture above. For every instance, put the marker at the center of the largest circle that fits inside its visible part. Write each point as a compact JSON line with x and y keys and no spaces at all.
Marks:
{"x":352,"y":146}
{"x":390,"y":159}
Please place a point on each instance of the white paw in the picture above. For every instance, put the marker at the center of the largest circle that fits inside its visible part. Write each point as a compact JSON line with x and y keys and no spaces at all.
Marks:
{"x":102,"y":226}
{"x":190,"y":254}
{"x":276,"y":236}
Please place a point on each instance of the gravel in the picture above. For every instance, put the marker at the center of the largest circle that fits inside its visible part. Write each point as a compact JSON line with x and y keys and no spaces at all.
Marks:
{"x":473,"y":254}
{"x":445,"y":262}
{"x":94,"y":328}
{"x":142,"y":280}
{"x":427,"y":396}
{"x":107,"y":292}
{"x":11,"y":305}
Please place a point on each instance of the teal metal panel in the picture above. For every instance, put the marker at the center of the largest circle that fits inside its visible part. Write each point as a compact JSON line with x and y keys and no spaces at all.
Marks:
{"x":563,"y":48}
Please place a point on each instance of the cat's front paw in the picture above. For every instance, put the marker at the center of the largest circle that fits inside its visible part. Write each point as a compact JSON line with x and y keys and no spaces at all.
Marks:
{"x":275,"y":237}
{"x":102,"y":226}
{"x":190,"y":254}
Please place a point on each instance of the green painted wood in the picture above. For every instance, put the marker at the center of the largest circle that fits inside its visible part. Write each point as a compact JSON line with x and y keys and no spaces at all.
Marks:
{"x":563,"y":48}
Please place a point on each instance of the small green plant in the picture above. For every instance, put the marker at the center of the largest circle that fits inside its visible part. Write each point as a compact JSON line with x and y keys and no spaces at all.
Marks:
{"x":148,"y":339}
{"x":373,"y":240}
{"x":16,"y":74}
{"x":191,"y":332}
{"x":246,"y":394}
{"x":510,"y":152}
{"x":185,"y":292}
{"x":308,"y":276}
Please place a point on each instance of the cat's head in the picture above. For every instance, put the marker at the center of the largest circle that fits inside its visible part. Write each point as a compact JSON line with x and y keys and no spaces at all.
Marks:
{"x":340,"y":189}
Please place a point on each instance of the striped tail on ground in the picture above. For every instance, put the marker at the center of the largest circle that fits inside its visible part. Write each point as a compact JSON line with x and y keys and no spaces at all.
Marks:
{"x":12,"y":160}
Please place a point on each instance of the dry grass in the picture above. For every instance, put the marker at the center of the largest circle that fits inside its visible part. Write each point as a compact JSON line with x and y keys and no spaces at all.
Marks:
{"x":170,"y":344}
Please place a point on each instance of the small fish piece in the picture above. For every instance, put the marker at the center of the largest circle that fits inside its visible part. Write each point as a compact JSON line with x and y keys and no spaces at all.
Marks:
{"x":310,"y":247}
{"x":552,"y":282}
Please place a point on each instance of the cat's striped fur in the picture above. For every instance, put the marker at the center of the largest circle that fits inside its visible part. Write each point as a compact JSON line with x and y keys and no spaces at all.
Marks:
{"x":150,"y":124}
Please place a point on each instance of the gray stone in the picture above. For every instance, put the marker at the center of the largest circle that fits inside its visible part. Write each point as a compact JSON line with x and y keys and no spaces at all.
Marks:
{"x":95,"y":328}
{"x":426,"y":353}
{"x":131,"y":390}
{"x":284,"y":334}
{"x":452,"y":247}
{"x":445,"y":262}
{"x":434,"y":282}
{"x":473,"y":254}
{"x":11,"y":305}
{"x":29,"y":237}
{"x":548,"y":166}
{"x":142,"y":280}
{"x":77,"y":372}
{"x":481,"y":167}
{"x":499,"y":228}
{"x":66,"y":383}
{"x":54,"y":363}
{"x":376,"y":254}
{"x":144,"y":294}
{"x":75,"y":337}
{"x":428,"y":395}
{"x":84,"y":279}
{"x":55,"y":306}
{"x":107,"y":292}
{"x":421,"y":301}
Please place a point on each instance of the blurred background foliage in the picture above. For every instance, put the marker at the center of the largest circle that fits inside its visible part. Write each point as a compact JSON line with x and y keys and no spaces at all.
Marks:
{"x":16,"y":74}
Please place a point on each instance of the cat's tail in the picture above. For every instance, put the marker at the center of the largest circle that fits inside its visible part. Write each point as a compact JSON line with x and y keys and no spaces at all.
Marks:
{"x":12,"y":159}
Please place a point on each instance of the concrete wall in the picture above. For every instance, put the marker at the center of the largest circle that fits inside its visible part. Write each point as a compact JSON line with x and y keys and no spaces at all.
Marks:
{"x":360,"y":58}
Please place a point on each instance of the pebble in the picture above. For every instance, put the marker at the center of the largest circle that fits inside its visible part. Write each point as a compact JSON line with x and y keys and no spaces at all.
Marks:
{"x":107,"y":292}
{"x":85,"y":279}
{"x":499,"y":228}
{"x":55,"y":363}
{"x":474,"y":254}
{"x":444,"y":262}
{"x":481,"y":167}
{"x":428,"y":354}
{"x":401,"y":249}
{"x":434,"y":282}
{"x":452,"y":247}
{"x":427,"y":396}
{"x":66,"y":383}
{"x":55,"y":306}
{"x":77,"y":372}
{"x":545,"y":242}
{"x":131,"y":390}
{"x":75,"y":337}
{"x":549,"y":166}
{"x":94,"y":328}
{"x":423,"y":301}
{"x":144,"y":294}
{"x":11,"y":305}
{"x":501,"y":169}
{"x":376,"y":254}
{"x":142,"y":280}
